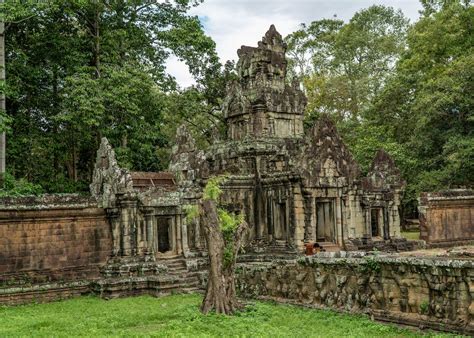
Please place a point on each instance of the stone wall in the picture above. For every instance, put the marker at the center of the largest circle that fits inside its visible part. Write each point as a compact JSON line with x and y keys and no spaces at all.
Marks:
{"x":447,"y":217}
{"x":429,"y":293}
{"x":54,"y":240}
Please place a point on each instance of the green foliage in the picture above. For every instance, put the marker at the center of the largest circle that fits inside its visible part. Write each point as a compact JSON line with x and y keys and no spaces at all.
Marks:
{"x":424,"y":307}
{"x":80,"y":70}
{"x":179,"y":316}
{"x":371,"y":264}
{"x":403,"y":88}
{"x":428,"y":102}
{"x":229,"y":223}
{"x":20,"y":187}
{"x":192,"y":212}
{"x":212,"y":190}
{"x":345,"y":65}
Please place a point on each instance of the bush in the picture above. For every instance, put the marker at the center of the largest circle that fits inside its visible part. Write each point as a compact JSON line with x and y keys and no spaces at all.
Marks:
{"x":20,"y":187}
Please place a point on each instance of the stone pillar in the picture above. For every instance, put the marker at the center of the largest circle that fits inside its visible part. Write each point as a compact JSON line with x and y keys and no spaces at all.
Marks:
{"x":177,"y":225}
{"x":114,"y":218}
{"x":128,"y":220}
{"x":149,"y":229}
{"x":313,"y":219}
{"x":184,"y":234}
{"x":338,"y":220}
{"x":197,"y":234}
{"x":298,"y":217}
{"x":368,"y":230}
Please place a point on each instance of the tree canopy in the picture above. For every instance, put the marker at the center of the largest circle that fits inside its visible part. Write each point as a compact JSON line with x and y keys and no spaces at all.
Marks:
{"x":79,"y":70}
{"x":406,"y":88}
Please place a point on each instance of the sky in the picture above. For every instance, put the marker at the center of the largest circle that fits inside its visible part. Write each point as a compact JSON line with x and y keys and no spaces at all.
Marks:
{"x":233,"y":23}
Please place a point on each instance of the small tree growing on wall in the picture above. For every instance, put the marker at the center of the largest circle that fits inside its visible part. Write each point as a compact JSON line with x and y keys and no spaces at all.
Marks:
{"x":223,"y":231}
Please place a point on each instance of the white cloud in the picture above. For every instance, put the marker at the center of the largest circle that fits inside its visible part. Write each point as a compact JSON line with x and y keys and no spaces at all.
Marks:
{"x":233,"y":23}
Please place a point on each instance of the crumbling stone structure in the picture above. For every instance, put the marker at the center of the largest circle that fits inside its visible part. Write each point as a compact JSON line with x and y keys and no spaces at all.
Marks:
{"x":293,"y":187}
{"x":447,"y":217}
{"x":424,"y":292}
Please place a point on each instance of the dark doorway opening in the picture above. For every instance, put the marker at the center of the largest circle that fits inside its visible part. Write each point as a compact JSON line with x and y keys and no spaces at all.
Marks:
{"x":163,"y":235}
{"x":374,"y":222}
{"x":325,"y":221}
{"x":279,"y":230}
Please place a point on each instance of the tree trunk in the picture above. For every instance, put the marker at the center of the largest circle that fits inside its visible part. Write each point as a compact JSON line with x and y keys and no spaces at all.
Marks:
{"x":220,"y":294}
{"x":2,"y":100}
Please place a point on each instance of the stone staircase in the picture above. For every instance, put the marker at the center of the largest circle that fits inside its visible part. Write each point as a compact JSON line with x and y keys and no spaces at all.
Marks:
{"x":183,"y":281}
{"x":171,"y":276}
{"x":329,"y":247}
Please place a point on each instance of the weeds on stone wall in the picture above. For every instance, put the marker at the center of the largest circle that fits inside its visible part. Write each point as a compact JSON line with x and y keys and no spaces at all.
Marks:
{"x":424,"y":307}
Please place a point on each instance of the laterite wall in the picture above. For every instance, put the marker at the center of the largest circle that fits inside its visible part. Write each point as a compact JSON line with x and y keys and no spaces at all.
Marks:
{"x":428,"y":293}
{"x":53,"y":238}
{"x":447,"y":217}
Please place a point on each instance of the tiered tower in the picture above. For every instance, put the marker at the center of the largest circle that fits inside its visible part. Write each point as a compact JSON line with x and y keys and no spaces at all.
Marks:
{"x":260,"y":103}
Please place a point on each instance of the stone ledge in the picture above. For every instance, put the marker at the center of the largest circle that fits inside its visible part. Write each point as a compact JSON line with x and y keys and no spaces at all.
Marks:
{"x":47,"y":201}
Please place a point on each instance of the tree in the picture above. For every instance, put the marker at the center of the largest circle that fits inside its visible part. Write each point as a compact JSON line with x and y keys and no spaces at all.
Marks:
{"x":427,"y":103}
{"x":79,"y":70}
{"x":224,"y":232}
{"x":2,"y":99}
{"x":349,"y":63}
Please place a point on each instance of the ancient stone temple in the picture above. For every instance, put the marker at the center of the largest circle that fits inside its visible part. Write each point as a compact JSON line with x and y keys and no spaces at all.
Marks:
{"x":293,"y":187}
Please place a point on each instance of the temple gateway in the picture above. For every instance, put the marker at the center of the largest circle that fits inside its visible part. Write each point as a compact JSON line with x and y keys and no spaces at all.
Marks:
{"x":293,"y":186}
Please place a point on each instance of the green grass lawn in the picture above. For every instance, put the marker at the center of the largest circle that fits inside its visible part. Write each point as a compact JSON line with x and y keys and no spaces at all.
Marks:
{"x":411,"y":234}
{"x":179,"y":316}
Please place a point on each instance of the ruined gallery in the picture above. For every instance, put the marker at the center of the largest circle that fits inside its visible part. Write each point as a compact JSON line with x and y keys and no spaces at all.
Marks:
{"x":293,"y":187}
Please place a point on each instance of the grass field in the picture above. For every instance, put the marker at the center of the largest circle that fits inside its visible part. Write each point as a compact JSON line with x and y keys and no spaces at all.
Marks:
{"x":179,"y":316}
{"x":411,"y":234}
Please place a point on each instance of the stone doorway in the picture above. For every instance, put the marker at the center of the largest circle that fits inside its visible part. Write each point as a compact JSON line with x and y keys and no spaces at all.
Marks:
{"x":163,"y":231}
{"x":325,"y":221}
{"x":375,"y":215}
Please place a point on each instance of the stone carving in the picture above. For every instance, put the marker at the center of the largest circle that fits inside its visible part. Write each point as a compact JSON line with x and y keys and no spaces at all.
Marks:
{"x":293,"y":188}
{"x":108,"y":178}
{"x":260,"y":103}
{"x":383,"y":173}
{"x":326,"y":157}
{"x":423,"y":292}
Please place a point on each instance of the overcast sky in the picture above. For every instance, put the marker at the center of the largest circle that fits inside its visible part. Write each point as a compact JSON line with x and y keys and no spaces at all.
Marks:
{"x":233,"y":23}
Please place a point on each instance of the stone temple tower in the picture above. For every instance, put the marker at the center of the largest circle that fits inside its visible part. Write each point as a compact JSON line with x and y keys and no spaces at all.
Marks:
{"x":260,"y":103}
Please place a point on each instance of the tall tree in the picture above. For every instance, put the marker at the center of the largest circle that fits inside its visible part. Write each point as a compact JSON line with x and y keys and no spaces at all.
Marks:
{"x":349,"y":62}
{"x":80,"y":70}
{"x":428,"y":103}
{"x":224,"y":232}
{"x":2,"y":98}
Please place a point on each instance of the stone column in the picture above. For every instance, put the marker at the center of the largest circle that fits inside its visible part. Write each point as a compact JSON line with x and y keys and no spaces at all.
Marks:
{"x":172,"y":234}
{"x":149,"y":229}
{"x":338,"y":219}
{"x":177,"y":225}
{"x":114,"y":218}
{"x":128,"y":220}
{"x":313,"y":218}
{"x":184,"y":234}
{"x":297,"y":216}
{"x":368,"y":230}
